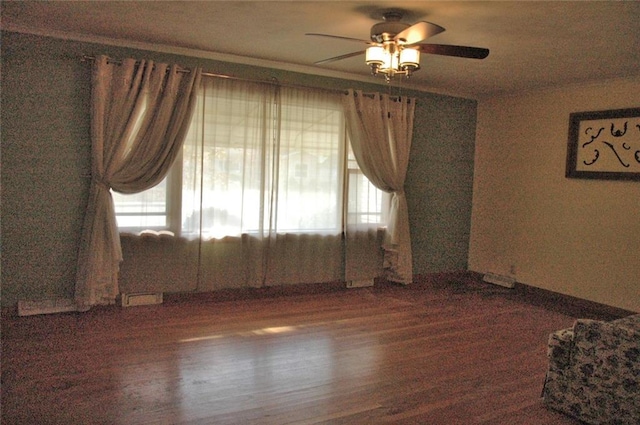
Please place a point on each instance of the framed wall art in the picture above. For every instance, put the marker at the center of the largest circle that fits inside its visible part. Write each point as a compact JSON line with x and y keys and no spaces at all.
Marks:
{"x":604,"y":145}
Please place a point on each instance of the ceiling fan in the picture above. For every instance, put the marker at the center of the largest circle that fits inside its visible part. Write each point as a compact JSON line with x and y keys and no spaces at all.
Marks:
{"x":395,"y":46}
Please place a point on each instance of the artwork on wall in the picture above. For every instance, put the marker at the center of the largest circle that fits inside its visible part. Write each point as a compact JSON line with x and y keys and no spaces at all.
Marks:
{"x":604,"y":145}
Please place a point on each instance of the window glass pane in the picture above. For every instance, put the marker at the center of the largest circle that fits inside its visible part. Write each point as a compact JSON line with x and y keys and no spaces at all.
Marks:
{"x":144,"y":210}
{"x":309,"y":188}
{"x":223,"y":168}
{"x":367,"y":205}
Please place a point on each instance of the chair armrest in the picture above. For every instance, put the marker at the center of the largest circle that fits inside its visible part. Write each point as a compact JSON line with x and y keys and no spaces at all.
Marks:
{"x":595,"y":334}
{"x":559,"y":349}
{"x":603,"y":349}
{"x":631,"y":322}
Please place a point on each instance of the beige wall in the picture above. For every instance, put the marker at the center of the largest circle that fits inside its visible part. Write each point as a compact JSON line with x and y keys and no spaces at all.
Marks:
{"x":573,"y":236}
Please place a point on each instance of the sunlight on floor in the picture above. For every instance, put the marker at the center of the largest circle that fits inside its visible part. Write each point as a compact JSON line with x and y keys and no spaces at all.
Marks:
{"x":234,"y":372}
{"x":263,"y":331}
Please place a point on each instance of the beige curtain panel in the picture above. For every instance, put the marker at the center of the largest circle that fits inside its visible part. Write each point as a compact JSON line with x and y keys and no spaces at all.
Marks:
{"x":140,"y":113}
{"x":381,"y":129}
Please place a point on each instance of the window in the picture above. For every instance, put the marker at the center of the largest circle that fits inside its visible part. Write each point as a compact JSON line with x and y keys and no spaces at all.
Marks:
{"x":367,"y":205}
{"x":144,"y":210}
{"x":258,"y":159}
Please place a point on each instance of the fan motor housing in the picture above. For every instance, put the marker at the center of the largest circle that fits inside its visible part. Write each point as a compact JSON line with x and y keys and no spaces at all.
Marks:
{"x":385,"y":31}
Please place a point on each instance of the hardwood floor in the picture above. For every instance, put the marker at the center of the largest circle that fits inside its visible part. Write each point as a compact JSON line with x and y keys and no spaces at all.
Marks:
{"x":451,"y":350}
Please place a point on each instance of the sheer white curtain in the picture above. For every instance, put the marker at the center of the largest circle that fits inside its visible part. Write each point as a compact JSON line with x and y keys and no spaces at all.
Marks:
{"x":139,"y":116}
{"x":262,"y":159}
{"x":262,"y":176}
{"x":381,"y":130}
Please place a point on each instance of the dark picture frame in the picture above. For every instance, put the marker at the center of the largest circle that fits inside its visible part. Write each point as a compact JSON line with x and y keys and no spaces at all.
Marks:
{"x":604,"y":145}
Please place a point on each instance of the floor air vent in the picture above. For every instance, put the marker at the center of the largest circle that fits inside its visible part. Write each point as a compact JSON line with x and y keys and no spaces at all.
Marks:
{"x":132,"y":300}
{"x":58,"y":305}
{"x":496,"y":279}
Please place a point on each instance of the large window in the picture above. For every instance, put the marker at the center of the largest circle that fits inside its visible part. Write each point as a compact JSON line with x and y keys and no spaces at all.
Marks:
{"x":259,"y":159}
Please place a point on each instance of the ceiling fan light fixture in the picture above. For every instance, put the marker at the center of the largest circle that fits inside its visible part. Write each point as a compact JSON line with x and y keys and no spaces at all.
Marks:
{"x":395,"y":47}
{"x":392,"y":59}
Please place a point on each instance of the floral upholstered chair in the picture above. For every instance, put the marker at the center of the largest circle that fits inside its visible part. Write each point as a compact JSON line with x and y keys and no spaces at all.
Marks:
{"x":594,"y":371}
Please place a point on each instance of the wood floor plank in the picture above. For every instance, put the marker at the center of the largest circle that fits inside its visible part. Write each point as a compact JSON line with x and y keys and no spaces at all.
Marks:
{"x":448,"y":351}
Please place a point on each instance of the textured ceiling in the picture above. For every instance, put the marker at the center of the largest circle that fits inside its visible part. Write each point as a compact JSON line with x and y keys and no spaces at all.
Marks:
{"x":533,"y":44}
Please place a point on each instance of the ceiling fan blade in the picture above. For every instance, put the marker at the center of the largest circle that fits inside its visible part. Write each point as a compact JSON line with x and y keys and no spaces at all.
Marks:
{"x":418,"y":32}
{"x":337,"y":58}
{"x":458,"y":51}
{"x":337,"y":36}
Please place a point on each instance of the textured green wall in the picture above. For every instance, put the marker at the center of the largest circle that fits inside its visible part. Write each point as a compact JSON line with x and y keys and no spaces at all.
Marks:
{"x":439,"y":183}
{"x":45,"y":162}
{"x":45,"y":153}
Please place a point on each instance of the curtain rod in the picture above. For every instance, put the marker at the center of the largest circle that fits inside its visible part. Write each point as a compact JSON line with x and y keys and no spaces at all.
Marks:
{"x":274,"y":81}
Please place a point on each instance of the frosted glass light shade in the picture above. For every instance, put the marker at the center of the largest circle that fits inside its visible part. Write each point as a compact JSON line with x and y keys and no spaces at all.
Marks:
{"x":410,"y":58}
{"x":390,"y":61}
{"x":375,"y":55}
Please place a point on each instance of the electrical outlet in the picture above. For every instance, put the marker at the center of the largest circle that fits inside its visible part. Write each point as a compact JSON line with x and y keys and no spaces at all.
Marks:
{"x":360,"y":283}
{"x":496,"y":279}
